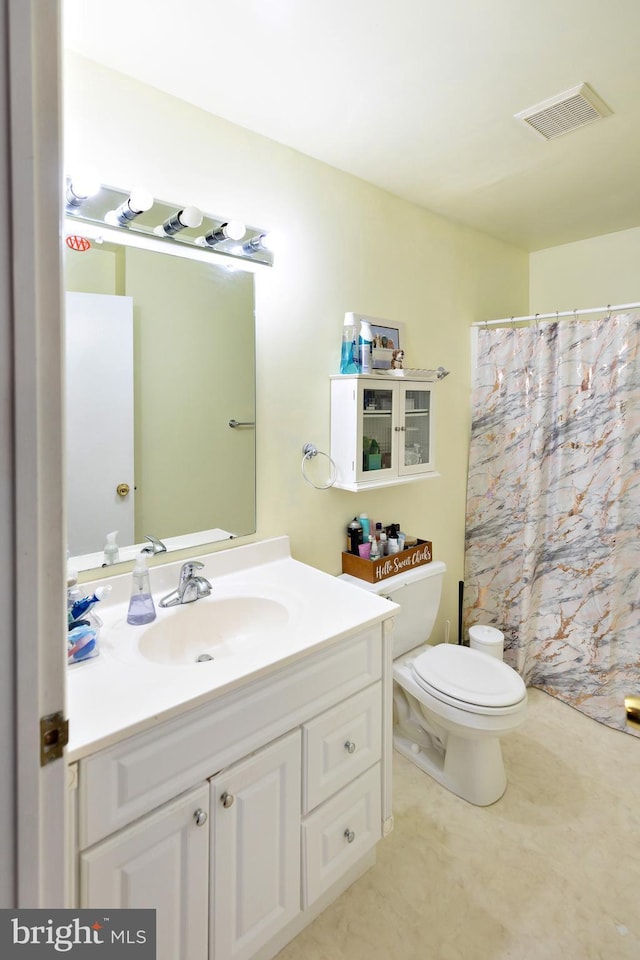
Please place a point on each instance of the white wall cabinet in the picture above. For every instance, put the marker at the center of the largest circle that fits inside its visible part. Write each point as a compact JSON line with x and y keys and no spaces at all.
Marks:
{"x":381,"y":431}
{"x":298,"y":795}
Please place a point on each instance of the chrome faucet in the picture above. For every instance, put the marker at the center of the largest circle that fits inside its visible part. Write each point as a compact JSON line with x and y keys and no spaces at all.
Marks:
{"x":190,"y":587}
{"x":154,"y":546}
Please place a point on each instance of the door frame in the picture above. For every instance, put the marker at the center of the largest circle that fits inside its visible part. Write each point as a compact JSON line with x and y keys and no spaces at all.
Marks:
{"x":33,"y":619}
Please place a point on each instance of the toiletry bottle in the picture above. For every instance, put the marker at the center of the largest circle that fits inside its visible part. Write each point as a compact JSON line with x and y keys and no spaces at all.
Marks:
{"x":383,"y":544}
{"x":141,"y":607}
{"x":366,"y":528}
{"x":365,"y":342}
{"x":111,"y":552}
{"x":374,"y":552}
{"x":354,"y":533}
{"x":349,"y":361}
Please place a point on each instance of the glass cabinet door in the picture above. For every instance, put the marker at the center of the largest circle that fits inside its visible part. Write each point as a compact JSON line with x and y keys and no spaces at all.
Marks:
{"x":378,"y":421}
{"x":415,"y":430}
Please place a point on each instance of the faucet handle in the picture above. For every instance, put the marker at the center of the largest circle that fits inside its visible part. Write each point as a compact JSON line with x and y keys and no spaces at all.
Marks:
{"x":188,"y":569}
{"x":154,"y":546}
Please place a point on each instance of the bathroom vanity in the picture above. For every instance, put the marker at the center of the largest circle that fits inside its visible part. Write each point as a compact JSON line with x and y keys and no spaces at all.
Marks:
{"x":240,"y":795}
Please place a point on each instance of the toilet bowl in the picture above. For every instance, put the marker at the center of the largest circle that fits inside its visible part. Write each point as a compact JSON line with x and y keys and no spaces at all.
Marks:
{"x":451,"y":703}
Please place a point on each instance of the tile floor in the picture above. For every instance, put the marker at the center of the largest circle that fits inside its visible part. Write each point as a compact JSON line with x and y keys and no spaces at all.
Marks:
{"x":549,"y":872}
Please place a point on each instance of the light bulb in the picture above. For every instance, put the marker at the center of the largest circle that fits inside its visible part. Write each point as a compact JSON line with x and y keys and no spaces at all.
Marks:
{"x":138,"y":202}
{"x":187,"y":217}
{"x":82,"y":185}
{"x":233,"y":230}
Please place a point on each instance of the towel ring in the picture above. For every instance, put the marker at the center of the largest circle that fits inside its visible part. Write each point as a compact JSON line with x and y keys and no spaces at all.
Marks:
{"x":309,"y":451}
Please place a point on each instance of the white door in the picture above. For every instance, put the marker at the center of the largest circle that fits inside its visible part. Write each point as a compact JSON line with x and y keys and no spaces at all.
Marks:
{"x":161,"y":862}
{"x":99,"y":419}
{"x":256,"y":849}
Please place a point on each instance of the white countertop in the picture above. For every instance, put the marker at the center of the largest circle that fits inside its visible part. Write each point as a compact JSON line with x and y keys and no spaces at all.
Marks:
{"x":120,"y":692}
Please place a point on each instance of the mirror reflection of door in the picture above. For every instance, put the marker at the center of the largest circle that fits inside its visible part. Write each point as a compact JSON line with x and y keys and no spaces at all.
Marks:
{"x":99,"y":424}
{"x":193,"y":349}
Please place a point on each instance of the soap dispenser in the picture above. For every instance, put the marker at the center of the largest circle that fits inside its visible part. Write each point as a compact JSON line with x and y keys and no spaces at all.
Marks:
{"x":141,"y":606}
{"x":111,"y":552}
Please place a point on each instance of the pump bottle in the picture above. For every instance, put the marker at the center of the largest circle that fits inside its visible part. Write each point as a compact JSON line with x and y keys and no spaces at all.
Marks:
{"x":111,"y":552}
{"x":141,"y":606}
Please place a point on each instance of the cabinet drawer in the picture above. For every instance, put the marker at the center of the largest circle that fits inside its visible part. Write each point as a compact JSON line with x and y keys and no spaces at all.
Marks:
{"x":132,"y":777}
{"x":341,"y":744}
{"x":339,"y":833}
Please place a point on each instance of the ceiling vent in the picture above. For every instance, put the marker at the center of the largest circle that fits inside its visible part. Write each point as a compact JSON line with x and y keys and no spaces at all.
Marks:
{"x":565,"y":112}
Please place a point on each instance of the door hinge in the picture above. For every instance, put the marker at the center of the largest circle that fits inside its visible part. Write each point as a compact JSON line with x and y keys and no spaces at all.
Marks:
{"x":54,"y":736}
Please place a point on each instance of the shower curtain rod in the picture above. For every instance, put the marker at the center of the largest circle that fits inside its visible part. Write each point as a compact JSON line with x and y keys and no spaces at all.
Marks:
{"x":533,"y":317}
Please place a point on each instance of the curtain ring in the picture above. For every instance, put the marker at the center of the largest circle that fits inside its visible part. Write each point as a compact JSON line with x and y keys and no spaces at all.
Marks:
{"x":609,"y":311}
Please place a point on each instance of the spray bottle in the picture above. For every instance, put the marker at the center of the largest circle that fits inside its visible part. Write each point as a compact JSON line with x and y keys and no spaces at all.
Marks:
{"x":349,"y":362}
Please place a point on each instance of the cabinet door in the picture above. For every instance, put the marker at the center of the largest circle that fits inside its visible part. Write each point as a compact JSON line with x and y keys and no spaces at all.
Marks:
{"x":160,"y":862}
{"x":378,"y":429}
{"x":256,"y":849}
{"x":415,"y":428}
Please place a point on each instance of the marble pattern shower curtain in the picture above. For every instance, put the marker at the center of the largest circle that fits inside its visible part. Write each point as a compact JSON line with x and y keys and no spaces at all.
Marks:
{"x":553,"y":506}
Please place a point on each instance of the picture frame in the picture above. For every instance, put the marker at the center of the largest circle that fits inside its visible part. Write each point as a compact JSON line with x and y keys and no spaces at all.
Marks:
{"x":388,"y":335}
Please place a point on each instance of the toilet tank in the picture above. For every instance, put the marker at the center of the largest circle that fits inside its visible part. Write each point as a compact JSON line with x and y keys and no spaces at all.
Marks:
{"x":417,"y":592}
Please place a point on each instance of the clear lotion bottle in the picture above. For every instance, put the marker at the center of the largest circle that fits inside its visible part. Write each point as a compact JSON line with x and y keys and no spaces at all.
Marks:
{"x":141,"y":606}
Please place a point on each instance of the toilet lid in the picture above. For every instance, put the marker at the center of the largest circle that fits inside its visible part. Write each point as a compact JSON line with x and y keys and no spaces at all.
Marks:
{"x":468,"y":675}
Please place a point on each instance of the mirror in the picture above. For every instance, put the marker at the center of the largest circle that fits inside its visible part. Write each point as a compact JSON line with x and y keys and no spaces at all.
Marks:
{"x":160,"y":353}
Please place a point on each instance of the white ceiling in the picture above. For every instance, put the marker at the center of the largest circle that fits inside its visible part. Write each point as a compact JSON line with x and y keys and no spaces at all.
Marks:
{"x":416,"y":96}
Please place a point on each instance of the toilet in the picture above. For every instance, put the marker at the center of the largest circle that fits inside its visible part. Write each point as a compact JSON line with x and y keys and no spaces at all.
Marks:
{"x":451,"y":703}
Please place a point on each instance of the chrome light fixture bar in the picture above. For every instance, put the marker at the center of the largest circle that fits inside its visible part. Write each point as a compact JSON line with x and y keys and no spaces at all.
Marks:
{"x":136,"y":212}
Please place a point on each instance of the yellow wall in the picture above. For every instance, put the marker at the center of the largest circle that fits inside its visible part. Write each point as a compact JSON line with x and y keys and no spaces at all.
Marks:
{"x":348,"y":246}
{"x":590,"y":273}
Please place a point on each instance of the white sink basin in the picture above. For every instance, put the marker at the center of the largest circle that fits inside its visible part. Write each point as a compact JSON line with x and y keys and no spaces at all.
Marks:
{"x":208,"y":630}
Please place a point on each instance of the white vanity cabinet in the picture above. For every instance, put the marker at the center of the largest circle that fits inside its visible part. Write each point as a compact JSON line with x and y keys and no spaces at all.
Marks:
{"x":381,"y":430}
{"x":241,"y":819}
{"x":161,"y":862}
{"x":255,"y":850}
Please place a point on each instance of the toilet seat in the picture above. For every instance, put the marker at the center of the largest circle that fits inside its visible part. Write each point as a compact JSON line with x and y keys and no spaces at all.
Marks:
{"x":468,"y":678}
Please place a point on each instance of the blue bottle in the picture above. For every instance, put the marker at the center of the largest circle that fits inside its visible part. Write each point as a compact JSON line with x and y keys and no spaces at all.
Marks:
{"x":349,"y":356}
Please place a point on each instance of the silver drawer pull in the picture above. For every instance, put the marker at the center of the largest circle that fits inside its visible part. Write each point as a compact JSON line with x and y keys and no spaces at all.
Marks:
{"x":350,"y":746}
{"x":227,"y":799}
{"x":200,"y":817}
{"x":349,"y":835}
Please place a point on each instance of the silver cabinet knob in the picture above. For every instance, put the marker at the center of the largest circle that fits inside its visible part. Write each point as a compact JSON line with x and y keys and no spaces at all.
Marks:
{"x":227,"y":799}
{"x":200,"y":816}
{"x":350,"y":746}
{"x":349,"y":835}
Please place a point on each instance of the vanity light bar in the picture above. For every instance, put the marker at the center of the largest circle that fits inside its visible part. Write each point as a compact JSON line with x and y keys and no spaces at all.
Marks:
{"x":136,"y":212}
{"x":107,"y":234}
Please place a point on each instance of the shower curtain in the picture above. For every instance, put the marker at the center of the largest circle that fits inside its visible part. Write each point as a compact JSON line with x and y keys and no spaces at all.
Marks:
{"x":553,"y":506}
